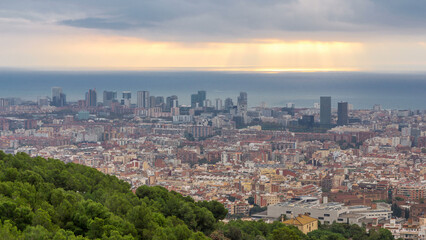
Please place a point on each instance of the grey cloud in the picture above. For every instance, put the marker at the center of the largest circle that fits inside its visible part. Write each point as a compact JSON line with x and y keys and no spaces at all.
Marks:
{"x":97,"y":23}
{"x":224,"y":19}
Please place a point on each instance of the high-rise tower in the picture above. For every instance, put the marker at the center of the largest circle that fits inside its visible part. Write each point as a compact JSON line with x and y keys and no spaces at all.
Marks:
{"x":126,"y":98}
{"x":171,"y":102}
{"x":194,"y":100}
{"x":143,"y":99}
{"x":242,"y":102}
{"x":342,"y":113}
{"x":325,"y":111}
{"x":58,"y":97}
{"x":242,"y":106}
{"x":218,"y":104}
{"x":91,"y":98}
{"x":201,"y":97}
{"x":109,"y":97}
{"x":197,"y":99}
{"x":228,"y":104}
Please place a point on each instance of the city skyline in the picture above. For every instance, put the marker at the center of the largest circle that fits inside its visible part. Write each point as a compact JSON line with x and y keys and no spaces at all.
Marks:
{"x":221,"y":120}
{"x":144,"y":100}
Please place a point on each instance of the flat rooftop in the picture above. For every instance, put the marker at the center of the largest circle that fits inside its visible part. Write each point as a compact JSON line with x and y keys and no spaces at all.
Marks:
{"x":311,"y":203}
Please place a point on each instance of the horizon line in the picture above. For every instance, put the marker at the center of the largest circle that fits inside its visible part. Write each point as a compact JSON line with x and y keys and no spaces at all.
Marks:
{"x":243,"y":69}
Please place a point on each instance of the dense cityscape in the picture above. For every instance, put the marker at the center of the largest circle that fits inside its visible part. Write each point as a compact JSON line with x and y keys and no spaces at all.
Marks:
{"x":329,"y":163}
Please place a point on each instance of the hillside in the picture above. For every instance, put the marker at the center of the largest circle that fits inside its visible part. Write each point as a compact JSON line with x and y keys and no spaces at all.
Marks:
{"x":47,"y":199}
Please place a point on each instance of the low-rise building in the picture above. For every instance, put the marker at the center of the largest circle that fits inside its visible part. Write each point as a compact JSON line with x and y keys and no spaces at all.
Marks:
{"x":303,"y":222}
{"x":327,"y":212}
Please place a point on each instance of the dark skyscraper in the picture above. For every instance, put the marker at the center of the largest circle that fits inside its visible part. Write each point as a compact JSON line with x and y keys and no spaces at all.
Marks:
{"x":62,"y":99}
{"x":58,"y":97}
{"x":194,"y":100}
{"x":91,"y":98}
{"x":201,"y":97}
{"x":152,"y":101}
{"x":171,"y":102}
{"x":159,"y":100}
{"x":325,"y":111}
{"x":342,"y":113}
{"x":109,"y":97}
{"x":228,"y":104}
{"x":198,"y":99}
{"x":307,"y":121}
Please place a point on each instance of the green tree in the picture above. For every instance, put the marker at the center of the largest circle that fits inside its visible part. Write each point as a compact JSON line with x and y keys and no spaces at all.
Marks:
{"x":287,"y":233}
{"x":205,"y":220}
{"x":234,"y":233}
{"x":218,"y":210}
{"x":43,"y":219}
{"x":396,"y":210}
{"x":381,"y":234}
{"x":8,"y":231}
{"x":36,"y":233}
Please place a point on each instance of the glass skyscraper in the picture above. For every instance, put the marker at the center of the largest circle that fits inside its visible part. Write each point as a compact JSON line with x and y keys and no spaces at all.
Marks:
{"x":325,"y":111}
{"x":342,"y":113}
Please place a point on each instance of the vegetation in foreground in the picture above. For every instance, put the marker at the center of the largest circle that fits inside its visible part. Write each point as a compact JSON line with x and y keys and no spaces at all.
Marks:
{"x":47,"y":199}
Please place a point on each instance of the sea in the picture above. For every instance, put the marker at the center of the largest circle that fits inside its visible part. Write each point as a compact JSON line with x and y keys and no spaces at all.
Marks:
{"x":361,"y":89}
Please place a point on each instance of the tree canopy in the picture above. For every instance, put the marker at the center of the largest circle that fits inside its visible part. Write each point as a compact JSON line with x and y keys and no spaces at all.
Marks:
{"x":47,"y":199}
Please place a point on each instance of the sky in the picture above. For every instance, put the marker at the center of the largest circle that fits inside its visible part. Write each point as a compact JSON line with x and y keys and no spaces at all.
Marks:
{"x":237,"y":35}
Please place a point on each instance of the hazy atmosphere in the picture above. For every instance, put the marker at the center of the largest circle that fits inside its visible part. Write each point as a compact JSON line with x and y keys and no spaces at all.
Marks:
{"x":213,"y":119}
{"x":290,"y":35}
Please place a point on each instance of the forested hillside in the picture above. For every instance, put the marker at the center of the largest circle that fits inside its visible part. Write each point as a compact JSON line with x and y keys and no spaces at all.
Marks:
{"x":47,"y":199}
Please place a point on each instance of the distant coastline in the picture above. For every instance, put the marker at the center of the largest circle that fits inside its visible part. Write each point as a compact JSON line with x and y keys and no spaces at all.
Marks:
{"x":361,"y":89}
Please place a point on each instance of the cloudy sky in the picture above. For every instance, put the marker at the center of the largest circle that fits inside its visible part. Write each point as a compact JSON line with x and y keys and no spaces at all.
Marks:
{"x":255,"y":35}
